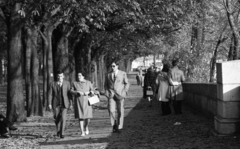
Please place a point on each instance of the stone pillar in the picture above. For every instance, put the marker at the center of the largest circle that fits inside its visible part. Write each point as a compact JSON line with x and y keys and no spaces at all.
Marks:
{"x":227,"y":120}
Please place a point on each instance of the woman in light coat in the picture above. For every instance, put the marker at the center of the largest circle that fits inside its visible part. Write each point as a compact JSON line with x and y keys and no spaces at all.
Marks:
{"x":83,"y":111}
{"x":162,"y":82}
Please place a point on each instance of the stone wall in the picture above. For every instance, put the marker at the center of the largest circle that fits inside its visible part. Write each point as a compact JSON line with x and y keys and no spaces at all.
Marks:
{"x":227,"y":120}
{"x":201,"y":96}
{"x":220,"y":100}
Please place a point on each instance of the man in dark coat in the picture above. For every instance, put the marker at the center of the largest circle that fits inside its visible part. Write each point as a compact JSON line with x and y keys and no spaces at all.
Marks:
{"x":60,"y":100}
{"x":150,"y":84}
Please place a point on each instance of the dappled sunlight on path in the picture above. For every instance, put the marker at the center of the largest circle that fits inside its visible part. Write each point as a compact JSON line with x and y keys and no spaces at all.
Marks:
{"x":144,"y":128}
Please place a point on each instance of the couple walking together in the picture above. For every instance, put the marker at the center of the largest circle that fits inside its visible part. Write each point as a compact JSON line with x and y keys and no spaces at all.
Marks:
{"x":62,"y":91}
{"x":170,"y":88}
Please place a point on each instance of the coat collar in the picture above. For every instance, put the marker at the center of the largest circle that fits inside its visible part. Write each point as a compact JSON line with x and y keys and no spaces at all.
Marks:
{"x":117,"y":71}
{"x":58,"y":82}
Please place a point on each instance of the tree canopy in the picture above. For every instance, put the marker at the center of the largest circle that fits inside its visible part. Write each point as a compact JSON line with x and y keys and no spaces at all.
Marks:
{"x":88,"y":35}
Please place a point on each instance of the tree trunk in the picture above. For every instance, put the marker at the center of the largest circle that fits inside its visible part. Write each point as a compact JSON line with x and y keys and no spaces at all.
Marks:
{"x":37,"y":109}
{"x":214,"y":57}
{"x":15,"y":102}
{"x":33,"y":98}
{"x":231,"y":49}
{"x":73,"y":44}
{"x":101,"y":71}
{"x":72,"y":65}
{"x":28,"y":82}
{"x":234,"y":28}
{"x":50,"y":59}
{"x":45,"y":87}
{"x":193,"y":38}
{"x":200,"y":33}
{"x":48,"y":75}
{"x":213,"y":62}
{"x":1,"y":71}
{"x":122,"y":65}
{"x":93,"y":73}
{"x":129,"y":65}
{"x":60,"y":52}
{"x":89,"y":63}
{"x":83,"y":56}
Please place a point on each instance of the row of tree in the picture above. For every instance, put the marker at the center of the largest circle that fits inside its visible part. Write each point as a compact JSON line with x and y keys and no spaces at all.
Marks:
{"x":209,"y":35}
{"x":40,"y":37}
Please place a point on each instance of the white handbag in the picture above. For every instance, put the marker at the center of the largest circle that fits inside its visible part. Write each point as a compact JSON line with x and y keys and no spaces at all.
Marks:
{"x":149,"y":91}
{"x":93,"y":99}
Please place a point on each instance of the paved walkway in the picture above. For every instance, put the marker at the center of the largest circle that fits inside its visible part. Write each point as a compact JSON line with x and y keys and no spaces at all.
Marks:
{"x":144,"y":128}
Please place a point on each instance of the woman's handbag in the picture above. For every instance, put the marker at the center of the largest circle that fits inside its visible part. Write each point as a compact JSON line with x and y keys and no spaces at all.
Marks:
{"x":93,"y":99}
{"x":149,"y":91}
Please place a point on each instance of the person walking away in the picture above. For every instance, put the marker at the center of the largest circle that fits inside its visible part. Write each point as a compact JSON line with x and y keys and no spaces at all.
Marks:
{"x":59,"y":100}
{"x":81,"y":89}
{"x":149,"y":88}
{"x":140,"y":77}
{"x":163,"y":89}
{"x":116,"y":85}
{"x":176,"y":77}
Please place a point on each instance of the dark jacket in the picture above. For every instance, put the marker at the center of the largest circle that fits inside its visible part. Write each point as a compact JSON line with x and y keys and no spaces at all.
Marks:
{"x":53,"y":94}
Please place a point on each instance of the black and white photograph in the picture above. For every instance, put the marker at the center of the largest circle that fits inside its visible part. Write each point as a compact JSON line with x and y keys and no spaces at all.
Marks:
{"x":119,"y":74}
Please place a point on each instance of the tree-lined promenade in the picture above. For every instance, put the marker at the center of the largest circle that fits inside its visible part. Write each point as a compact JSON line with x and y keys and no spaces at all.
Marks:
{"x":144,"y":127}
{"x":39,"y":38}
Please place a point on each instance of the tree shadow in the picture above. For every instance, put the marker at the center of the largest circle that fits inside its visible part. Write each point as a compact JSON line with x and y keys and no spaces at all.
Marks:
{"x":144,"y":127}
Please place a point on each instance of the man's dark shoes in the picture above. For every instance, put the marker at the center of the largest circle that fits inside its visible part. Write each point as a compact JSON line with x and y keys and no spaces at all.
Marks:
{"x":178,"y":113}
{"x":58,"y":134}
{"x":62,"y":136}
{"x":12,"y":128}
{"x":114,"y":128}
{"x":118,"y":131}
{"x":5,"y":135}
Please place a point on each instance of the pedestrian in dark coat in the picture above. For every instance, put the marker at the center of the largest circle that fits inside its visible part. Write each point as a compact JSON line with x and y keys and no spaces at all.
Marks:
{"x":149,"y":89}
{"x":60,"y":100}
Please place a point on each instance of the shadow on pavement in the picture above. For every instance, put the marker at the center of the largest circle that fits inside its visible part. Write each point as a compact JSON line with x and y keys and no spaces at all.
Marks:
{"x":101,"y":135}
{"x":144,"y":128}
